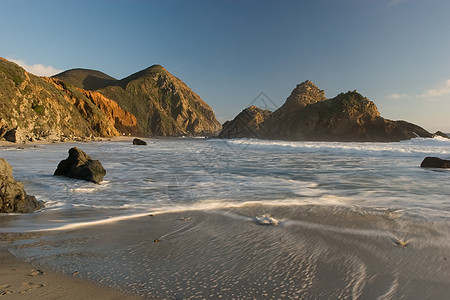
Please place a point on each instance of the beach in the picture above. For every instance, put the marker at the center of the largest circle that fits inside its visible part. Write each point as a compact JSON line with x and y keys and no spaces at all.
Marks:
{"x":312,"y":252}
{"x":22,"y":280}
{"x":244,"y":219}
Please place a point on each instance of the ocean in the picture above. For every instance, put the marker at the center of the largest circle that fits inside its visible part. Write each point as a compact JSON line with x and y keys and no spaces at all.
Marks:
{"x":350,"y":220}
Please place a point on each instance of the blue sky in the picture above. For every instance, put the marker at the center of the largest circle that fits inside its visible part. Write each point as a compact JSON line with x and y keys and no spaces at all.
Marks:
{"x":395,"y":52}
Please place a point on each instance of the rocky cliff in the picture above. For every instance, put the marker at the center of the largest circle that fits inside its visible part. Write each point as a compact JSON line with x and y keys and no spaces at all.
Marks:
{"x":247,"y":124}
{"x":162,"y":103}
{"x":124,"y":121}
{"x":13,"y":198}
{"x":32,"y":108}
{"x":308,"y":115}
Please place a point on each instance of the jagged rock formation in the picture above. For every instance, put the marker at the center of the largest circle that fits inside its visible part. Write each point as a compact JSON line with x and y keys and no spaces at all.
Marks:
{"x":308,"y":115}
{"x":13,"y":198}
{"x":32,"y":108}
{"x":247,"y":124}
{"x":304,"y":94}
{"x":79,"y":165}
{"x":162,"y":103}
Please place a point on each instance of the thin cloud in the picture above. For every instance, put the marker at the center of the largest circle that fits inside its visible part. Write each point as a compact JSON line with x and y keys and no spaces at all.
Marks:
{"x":395,"y":2}
{"x":38,"y":69}
{"x":439,"y":91}
{"x":435,"y":93}
{"x":397,"y":96}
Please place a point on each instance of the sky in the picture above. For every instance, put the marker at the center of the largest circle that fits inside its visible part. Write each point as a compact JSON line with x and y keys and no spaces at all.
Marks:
{"x":230,"y":52}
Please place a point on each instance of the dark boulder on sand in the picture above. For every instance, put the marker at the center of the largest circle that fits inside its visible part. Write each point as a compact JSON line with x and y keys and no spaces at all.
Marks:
{"x":13,"y":198}
{"x":79,"y":165}
{"x":139,"y":142}
{"x":435,"y":162}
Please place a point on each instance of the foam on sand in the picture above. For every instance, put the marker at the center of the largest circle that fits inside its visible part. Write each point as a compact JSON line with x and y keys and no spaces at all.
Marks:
{"x":334,"y":252}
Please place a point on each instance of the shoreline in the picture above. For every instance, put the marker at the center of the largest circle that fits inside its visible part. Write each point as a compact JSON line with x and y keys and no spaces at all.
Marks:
{"x":340,"y":250}
{"x":26,"y":145}
{"x":23,"y":280}
{"x":229,"y":253}
{"x":6,"y":144}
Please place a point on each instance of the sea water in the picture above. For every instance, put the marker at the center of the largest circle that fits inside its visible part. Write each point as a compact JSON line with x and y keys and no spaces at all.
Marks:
{"x":347,"y":220}
{"x":177,"y":174}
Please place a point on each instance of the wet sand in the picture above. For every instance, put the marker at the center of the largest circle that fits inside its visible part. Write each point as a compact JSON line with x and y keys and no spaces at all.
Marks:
{"x":314,"y":252}
{"x":22,"y":280}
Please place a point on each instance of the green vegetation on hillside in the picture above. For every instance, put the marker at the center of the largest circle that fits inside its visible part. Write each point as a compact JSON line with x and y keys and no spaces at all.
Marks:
{"x":41,"y":109}
{"x":162,"y":104}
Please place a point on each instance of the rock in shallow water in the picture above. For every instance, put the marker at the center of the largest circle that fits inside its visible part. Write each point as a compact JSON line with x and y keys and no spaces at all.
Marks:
{"x":139,"y":142}
{"x":441,"y":134}
{"x":435,"y":162}
{"x":13,"y":198}
{"x":79,"y":165}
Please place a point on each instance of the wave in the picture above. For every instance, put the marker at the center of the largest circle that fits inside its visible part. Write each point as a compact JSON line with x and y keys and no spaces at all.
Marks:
{"x":437,"y":145}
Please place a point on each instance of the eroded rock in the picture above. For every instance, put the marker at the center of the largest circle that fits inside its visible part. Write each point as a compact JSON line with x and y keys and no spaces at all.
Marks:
{"x":13,"y":198}
{"x":79,"y":165}
{"x":15,"y":135}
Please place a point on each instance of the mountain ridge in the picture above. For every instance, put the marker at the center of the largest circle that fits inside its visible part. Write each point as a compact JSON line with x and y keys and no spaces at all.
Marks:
{"x":162,"y":103}
{"x":87,"y":79}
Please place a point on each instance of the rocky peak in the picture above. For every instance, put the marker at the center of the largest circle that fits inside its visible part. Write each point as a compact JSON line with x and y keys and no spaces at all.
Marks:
{"x":304,"y":94}
{"x":163,"y":104}
{"x":356,"y":106}
{"x":150,"y":71}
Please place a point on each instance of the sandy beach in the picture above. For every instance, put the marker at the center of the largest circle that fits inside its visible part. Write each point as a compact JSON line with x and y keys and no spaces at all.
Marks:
{"x":312,"y":251}
{"x":22,"y":280}
{"x":242,"y":237}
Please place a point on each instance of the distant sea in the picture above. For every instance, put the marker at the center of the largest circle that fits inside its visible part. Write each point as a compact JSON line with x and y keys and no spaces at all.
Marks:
{"x":355,"y":192}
